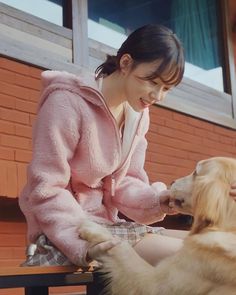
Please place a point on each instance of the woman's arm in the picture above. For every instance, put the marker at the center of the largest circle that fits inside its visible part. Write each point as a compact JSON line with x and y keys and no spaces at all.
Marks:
{"x":135,"y":197}
{"x":55,"y":138}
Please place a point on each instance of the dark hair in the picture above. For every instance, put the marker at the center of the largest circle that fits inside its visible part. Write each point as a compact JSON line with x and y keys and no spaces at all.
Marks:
{"x":147,"y":44}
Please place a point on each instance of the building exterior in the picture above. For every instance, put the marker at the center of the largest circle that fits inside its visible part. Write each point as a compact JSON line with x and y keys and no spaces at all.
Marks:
{"x":196,"y":121}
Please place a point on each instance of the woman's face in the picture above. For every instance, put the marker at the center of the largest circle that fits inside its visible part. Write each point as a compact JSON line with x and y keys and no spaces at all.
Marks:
{"x":141,"y":93}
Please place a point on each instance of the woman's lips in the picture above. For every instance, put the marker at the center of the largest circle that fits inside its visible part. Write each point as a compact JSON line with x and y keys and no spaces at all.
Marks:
{"x":145,"y":103}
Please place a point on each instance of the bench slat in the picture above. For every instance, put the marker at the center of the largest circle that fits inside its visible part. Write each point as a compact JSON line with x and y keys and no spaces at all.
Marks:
{"x":23,"y":270}
{"x":39,"y":278}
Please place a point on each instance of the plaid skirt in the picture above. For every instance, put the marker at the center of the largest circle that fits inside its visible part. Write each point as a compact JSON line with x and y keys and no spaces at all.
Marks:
{"x":43,"y":252}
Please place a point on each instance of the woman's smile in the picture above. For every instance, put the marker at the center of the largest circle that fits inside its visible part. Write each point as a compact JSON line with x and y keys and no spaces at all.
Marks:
{"x":145,"y":103}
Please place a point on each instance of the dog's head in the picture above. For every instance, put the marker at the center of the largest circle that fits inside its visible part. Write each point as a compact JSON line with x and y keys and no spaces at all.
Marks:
{"x":205,"y":194}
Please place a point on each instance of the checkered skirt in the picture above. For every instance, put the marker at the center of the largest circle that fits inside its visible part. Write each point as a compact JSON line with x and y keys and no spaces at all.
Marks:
{"x":43,"y":252}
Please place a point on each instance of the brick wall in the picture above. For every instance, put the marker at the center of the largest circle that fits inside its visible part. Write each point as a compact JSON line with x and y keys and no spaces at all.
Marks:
{"x":19,"y":88}
{"x":176,"y":142}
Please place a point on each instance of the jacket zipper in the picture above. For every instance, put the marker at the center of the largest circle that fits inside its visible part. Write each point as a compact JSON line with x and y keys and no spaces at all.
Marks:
{"x":109,"y":112}
{"x":113,"y":181}
{"x":113,"y":185}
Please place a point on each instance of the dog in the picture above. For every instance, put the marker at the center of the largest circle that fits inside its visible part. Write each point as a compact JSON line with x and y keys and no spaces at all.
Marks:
{"x":206,"y":264}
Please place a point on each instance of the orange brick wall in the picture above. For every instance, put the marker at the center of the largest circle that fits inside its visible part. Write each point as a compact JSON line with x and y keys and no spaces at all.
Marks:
{"x":19,"y":88}
{"x":176,"y":142}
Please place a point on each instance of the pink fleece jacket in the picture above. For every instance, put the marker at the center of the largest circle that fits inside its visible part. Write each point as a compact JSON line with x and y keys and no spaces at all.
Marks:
{"x":81,"y":168}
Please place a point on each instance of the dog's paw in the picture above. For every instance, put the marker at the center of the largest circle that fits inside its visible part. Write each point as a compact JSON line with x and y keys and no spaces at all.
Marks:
{"x":93,"y":232}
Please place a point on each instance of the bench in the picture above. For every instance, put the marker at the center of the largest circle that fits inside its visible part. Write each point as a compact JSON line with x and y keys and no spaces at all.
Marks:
{"x":36,"y":280}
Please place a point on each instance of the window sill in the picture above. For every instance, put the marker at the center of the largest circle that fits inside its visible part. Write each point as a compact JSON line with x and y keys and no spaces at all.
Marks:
{"x":202,"y":102}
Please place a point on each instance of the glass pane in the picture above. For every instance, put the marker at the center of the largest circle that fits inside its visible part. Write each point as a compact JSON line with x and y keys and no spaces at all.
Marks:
{"x":50,"y":10}
{"x":194,"y":21}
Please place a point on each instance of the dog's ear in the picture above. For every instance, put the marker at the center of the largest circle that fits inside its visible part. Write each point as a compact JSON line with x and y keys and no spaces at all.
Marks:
{"x":211,"y":197}
{"x":199,"y":224}
{"x":213,"y":206}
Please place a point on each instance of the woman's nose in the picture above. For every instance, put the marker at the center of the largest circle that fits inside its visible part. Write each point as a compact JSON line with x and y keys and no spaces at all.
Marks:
{"x":156,"y":95}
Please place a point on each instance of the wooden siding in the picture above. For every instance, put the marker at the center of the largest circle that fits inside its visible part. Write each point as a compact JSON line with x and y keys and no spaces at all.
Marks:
{"x":30,"y":38}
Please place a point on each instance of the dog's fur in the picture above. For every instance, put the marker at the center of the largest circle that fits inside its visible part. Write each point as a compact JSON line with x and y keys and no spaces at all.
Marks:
{"x":206,"y":264}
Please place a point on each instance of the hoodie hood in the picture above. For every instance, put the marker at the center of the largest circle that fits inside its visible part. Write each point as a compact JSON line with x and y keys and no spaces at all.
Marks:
{"x":61,"y":80}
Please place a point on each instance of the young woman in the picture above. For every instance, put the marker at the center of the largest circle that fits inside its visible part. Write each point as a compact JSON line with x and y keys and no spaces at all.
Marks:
{"x":89,"y":151}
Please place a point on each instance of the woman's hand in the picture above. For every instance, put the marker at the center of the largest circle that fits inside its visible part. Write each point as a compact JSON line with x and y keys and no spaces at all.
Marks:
{"x":233,"y":191}
{"x":166,"y":202}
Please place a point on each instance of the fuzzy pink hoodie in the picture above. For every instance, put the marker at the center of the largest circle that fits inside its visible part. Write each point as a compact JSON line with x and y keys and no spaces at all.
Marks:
{"x":81,"y":168}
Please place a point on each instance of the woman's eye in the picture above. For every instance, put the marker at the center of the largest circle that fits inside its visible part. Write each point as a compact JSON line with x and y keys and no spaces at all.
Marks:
{"x":154,"y":82}
{"x":166,"y":89}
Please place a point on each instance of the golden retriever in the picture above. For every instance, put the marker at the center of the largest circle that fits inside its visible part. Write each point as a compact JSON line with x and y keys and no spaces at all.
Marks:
{"x":206,"y":264}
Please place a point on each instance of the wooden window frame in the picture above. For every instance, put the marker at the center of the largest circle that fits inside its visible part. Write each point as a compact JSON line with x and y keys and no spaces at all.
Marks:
{"x":77,"y":51}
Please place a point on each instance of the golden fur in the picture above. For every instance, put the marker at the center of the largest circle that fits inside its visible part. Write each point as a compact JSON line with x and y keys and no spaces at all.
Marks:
{"x":206,"y":264}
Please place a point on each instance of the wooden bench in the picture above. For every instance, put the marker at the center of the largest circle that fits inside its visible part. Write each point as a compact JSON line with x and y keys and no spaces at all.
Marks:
{"x":36,"y":280}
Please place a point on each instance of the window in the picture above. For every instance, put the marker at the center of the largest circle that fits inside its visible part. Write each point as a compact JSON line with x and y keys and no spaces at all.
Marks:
{"x":50,"y":10}
{"x":195,"y":22}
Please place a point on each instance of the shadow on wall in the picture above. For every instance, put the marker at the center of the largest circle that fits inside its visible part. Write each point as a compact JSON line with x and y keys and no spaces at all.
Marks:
{"x":10,"y":210}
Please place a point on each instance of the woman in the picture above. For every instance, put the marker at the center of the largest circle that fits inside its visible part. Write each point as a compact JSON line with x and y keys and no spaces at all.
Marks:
{"x":89,"y":150}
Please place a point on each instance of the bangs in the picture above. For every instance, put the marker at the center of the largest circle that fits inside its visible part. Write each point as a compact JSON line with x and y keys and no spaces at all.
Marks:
{"x":170,"y":70}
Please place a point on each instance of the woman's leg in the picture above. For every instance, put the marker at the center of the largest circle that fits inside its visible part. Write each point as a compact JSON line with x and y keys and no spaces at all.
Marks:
{"x":155,"y":247}
{"x":175,"y":233}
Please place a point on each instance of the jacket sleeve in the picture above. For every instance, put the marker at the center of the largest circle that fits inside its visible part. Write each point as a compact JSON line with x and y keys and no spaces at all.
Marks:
{"x":55,"y":138}
{"x":134,"y":196}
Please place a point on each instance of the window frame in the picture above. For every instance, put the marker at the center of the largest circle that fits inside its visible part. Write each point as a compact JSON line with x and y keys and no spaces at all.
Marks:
{"x":189,"y":97}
